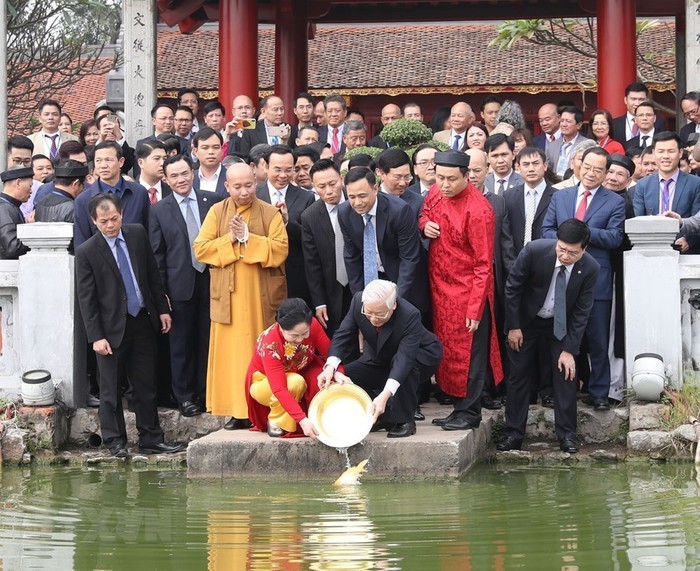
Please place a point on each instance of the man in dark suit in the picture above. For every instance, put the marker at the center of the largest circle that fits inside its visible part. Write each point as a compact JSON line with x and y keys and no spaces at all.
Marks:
{"x":390,"y":113}
{"x":669,"y":189}
{"x":163,"y":121}
{"x":527,"y":205}
{"x":624,"y":126}
{"x":332,"y":132}
{"x":174,"y":224}
{"x":548,"y":118}
{"x":604,"y":212}
{"x":423,"y":159}
{"x":381,"y":237}
{"x":108,"y":159}
{"x":549,"y":296}
{"x":398,"y":350}
{"x":123,"y":305}
{"x":210,"y":176}
{"x":690,"y":105}
{"x":269,"y":129}
{"x":322,"y":244}
{"x":291,"y":202}
{"x":644,"y":117}
{"x":150,"y":155}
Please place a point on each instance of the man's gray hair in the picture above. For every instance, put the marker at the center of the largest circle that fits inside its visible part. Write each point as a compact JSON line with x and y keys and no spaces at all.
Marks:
{"x":380,"y":291}
{"x":354,"y":126}
{"x":583,"y":146}
{"x":511,"y":113}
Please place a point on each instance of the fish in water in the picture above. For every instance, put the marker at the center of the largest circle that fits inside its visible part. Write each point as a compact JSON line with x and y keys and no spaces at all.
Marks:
{"x":351,"y":476}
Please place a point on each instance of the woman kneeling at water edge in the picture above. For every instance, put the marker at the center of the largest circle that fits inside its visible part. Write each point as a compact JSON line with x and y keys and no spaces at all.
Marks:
{"x":281,"y":378}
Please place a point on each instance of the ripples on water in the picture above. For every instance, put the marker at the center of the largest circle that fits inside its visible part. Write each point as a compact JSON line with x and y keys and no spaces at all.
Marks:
{"x":600,"y":518}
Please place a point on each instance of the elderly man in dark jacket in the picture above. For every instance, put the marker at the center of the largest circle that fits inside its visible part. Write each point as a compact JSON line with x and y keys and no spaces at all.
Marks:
{"x":17,"y":187}
{"x":69,"y":181}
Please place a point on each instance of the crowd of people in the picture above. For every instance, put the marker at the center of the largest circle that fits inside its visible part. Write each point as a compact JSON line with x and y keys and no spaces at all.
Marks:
{"x":272,"y":266}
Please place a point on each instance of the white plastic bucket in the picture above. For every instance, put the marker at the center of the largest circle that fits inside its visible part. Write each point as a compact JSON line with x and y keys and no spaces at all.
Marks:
{"x":38,"y":388}
{"x":648,"y":376}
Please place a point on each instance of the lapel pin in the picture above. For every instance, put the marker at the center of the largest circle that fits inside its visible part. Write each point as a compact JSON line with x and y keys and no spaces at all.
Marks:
{"x":579,"y":271}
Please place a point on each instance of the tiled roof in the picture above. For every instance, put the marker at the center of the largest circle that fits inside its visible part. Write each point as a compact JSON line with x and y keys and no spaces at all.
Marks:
{"x":391,"y":59}
{"x":370,"y":58}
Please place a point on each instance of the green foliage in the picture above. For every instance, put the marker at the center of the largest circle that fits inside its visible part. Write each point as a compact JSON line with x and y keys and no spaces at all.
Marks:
{"x":371,"y":151}
{"x":406,"y":133}
{"x":680,"y":406}
{"x":511,"y":31}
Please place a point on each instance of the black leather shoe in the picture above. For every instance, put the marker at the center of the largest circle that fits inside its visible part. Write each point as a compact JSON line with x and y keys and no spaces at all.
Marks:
{"x":442,"y":421}
{"x":509,"y":443}
{"x":162,"y":448}
{"x":188,"y":408}
{"x":418,"y":415}
{"x":568,"y":446}
{"x":548,"y":401}
{"x":489,"y":403}
{"x":382,"y":425}
{"x":118,"y":451}
{"x":237,"y":424}
{"x":402,"y":430}
{"x":459,"y":423}
{"x":601,"y":404}
{"x":588,"y":399}
{"x":443,"y":399}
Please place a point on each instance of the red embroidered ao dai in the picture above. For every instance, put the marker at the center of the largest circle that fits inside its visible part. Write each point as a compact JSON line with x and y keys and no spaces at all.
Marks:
{"x":460,"y":267}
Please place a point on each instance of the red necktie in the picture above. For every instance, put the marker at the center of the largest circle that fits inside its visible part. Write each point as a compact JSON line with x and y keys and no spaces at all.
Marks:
{"x":335,"y":145}
{"x":635,"y":129}
{"x":583,"y":206}
{"x":152,"y":198}
{"x":551,"y":138}
{"x":54,"y":148}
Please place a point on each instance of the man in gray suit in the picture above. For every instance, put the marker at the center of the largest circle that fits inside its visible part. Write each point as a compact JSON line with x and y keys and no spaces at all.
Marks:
{"x":499,"y":149}
{"x":559,"y":151}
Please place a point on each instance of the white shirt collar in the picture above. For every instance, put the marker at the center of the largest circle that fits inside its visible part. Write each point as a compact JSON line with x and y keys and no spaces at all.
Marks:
{"x":145,"y":185}
{"x":539,"y":189}
{"x":272,"y":190}
{"x":215,"y":176}
{"x":582,"y":190}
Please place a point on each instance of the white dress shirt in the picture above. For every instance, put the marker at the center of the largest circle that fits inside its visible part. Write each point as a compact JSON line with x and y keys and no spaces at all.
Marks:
{"x":209,"y":184}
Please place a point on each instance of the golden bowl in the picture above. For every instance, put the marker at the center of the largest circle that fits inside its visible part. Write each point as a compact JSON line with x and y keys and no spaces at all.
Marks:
{"x":342,"y":414}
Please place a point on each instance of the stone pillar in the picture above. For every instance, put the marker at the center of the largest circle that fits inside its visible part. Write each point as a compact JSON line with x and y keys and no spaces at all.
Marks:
{"x":46,"y":294}
{"x":617,"y":35}
{"x":238,"y":51}
{"x":692,"y":47}
{"x":140,"y":85}
{"x":652,"y":294}
{"x":291,"y":52}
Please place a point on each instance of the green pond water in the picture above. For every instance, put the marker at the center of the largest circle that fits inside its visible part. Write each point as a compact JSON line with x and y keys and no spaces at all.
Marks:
{"x":566,"y":518}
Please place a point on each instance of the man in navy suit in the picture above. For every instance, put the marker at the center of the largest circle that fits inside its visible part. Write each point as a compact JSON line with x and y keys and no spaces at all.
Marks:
{"x":624,"y":126}
{"x":534,"y":308}
{"x":548,"y":118}
{"x":423,"y":160}
{"x":174,"y":224}
{"x":604,"y":212}
{"x":669,"y":189}
{"x":385,"y":225}
{"x":291,"y":202}
{"x":108,"y":159}
{"x":211,"y":174}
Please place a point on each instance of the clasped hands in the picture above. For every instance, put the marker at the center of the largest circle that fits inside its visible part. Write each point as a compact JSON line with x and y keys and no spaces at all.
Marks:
{"x":237,"y":228}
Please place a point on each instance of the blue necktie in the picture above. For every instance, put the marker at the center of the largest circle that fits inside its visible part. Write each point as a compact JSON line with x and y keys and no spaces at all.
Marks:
{"x":132,"y":301}
{"x":369,"y":251}
{"x":455,"y":144}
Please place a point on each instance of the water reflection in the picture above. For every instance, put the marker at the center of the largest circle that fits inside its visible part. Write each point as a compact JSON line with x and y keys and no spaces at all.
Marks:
{"x":610,"y":517}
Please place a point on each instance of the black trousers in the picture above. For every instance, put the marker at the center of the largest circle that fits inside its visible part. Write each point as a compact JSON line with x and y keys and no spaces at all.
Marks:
{"x":469,"y":407}
{"x":189,"y":342}
{"x":372,"y":376}
{"x":135,"y":359}
{"x":522,"y":365}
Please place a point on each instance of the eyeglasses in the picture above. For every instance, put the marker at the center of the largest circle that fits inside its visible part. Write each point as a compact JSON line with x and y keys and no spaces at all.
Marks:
{"x":689,"y":114}
{"x":429,"y":163}
{"x":373,"y":315}
{"x":572,"y":253}
{"x":399,"y":178}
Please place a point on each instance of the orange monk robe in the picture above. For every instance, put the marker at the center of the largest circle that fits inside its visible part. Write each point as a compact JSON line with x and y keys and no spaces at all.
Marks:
{"x":247,"y":286}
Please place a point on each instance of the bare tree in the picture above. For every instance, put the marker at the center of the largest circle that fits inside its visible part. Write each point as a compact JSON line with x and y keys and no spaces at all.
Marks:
{"x":52,"y":45}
